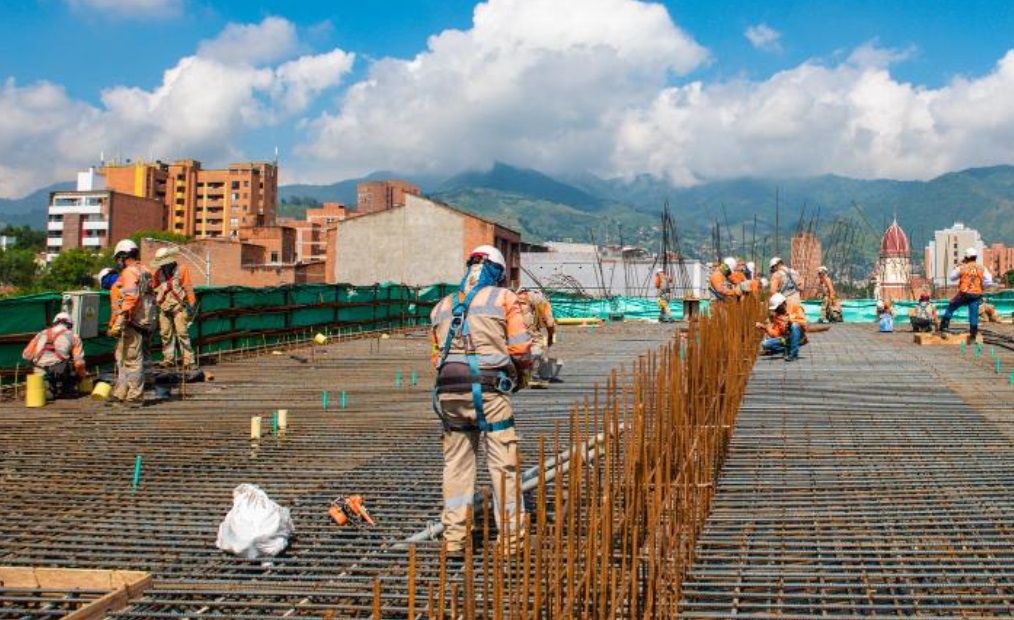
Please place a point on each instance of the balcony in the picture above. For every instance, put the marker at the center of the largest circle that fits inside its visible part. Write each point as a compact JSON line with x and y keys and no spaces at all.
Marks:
{"x":100,"y":225}
{"x":91,"y":242}
{"x":56,"y":226}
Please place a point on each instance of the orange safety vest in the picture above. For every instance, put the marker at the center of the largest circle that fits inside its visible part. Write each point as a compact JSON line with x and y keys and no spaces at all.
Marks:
{"x":970,"y":279}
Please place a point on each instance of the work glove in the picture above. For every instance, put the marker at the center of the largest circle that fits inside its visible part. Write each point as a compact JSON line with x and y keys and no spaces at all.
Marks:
{"x":117,"y":327}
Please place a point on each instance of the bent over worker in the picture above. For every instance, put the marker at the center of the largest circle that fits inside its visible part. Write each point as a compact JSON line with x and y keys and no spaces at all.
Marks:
{"x":174,"y":295}
{"x":481,"y":349}
{"x":785,"y":328}
{"x":830,"y":309}
{"x":132,"y":317}
{"x":538,"y":315}
{"x":972,"y":279}
{"x":724,"y":283}
{"x":57,"y":353}
{"x":785,"y":281}
{"x":663,"y":295}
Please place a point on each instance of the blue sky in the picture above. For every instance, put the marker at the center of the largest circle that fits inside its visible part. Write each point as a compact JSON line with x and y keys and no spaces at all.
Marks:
{"x":688,"y":90}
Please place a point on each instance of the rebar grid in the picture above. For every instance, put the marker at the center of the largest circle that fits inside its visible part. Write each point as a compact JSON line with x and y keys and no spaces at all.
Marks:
{"x":859,"y":484}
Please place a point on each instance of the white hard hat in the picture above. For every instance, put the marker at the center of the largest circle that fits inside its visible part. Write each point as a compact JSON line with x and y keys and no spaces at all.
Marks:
{"x":730,"y":262}
{"x":660,"y":271}
{"x":751,"y":267}
{"x":159,"y":253}
{"x":776,"y":300}
{"x":63,"y":317}
{"x":822,"y":269}
{"x":490,"y":254}
{"x":971,"y":253}
{"x":774,"y":261}
{"x":125,"y":247}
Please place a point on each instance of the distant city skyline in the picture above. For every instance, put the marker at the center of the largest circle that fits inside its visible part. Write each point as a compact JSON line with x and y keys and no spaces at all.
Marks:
{"x":687,"y":91}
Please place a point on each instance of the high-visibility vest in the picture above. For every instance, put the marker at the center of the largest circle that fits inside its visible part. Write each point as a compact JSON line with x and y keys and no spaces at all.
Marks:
{"x":970,"y":279}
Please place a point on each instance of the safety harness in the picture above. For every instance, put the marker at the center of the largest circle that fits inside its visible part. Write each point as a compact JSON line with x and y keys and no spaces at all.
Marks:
{"x":476,"y":380}
{"x":50,"y":346}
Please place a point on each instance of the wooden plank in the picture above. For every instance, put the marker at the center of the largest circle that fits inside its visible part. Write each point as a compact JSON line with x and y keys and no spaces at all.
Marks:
{"x":924,"y":338}
{"x":122,"y":586}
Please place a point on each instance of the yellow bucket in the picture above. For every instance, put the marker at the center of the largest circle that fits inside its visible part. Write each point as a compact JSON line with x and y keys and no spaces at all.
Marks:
{"x":102,"y":390}
{"x":320,"y":339}
{"x":35,"y":394}
{"x":85,"y":386}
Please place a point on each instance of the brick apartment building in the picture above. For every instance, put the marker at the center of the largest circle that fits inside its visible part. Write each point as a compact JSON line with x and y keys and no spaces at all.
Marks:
{"x":311,"y":233}
{"x":202,"y":203}
{"x":95,"y":217}
{"x":373,"y":196}
{"x":999,"y":259}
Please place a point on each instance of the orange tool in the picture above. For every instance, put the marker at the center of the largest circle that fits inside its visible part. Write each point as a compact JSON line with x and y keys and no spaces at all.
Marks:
{"x":350,"y":509}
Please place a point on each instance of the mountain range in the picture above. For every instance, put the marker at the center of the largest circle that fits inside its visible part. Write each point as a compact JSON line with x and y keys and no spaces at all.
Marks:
{"x":585,"y":207}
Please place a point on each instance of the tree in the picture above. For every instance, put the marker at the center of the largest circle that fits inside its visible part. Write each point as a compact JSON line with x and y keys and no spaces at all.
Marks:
{"x":1008,"y":278}
{"x":161,"y":235}
{"x":72,"y":269}
{"x":17,"y":267}
{"x":26,"y":237}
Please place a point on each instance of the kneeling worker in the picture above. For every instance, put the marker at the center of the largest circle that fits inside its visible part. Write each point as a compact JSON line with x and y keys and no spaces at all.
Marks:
{"x":480,"y":349}
{"x":786,"y":328}
{"x":57,"y":353}
{"x":923,"y":316}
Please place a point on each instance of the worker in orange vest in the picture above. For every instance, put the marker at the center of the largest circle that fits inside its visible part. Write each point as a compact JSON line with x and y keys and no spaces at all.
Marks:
{"x":174,"y":295}
{"x":57,"y":353}
{"x":753,"y":282}
{"x":133,"y":317}
{"x":831,"y":307}
{"x":785,"y":281}
{"x":785,"y":328}
{"x":722,"y":284}
{"x":481,"y":349}
{"x":538,"y":315}
{"x":972,"y":279}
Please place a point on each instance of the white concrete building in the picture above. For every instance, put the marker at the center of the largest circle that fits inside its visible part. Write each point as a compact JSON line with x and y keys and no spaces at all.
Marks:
{"x":946,"y":250}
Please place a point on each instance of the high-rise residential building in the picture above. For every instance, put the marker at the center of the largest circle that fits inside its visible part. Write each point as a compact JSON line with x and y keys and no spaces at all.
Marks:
{"x":999,"y":259}
{"x":199,"y":202}
{"x":96,"y":217}
{"x":373,"y":196}
{"x":947,"y":249}
{"x":311,"y":233}
{"x":806,"y":256}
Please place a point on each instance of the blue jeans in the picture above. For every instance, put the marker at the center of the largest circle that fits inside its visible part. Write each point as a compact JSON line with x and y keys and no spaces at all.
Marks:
{"x":963,"y":299}
{"x":777,"y":345}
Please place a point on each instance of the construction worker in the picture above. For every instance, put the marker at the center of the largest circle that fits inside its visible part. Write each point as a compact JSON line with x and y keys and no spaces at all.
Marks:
{"x":987,"y":311}
{"x":784,"y":281}
{"x":663,"y":292}
{"x":785,"y":328}
{"x":831,"y":308}
{"x":132,"y":305}
{"x":537,"y":314}
{"x":107,"y":277}
{"x":885,"y":316}
{"x":923,"y":316}
{"x":753,"y":282}
{"x":174,"y":295}
{"x":721,"y":283}
{"x":972,"y":279}
{"x":481,"y":350}
{"x":57,"y":353}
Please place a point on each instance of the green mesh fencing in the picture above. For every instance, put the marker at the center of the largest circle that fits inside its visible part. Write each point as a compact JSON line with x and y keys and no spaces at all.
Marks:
{"x":236,"y":317}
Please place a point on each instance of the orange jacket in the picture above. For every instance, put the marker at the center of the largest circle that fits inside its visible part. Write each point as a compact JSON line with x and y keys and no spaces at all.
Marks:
{"x":970,"y":278}
{"x":126,"y":293}
{"x":825,"y":281}
{"x":177,"y":289}
{"x":496,"y":326}
{"x":778,"y":324}
{"x":662,"y":280}
{"x":720,"y":286}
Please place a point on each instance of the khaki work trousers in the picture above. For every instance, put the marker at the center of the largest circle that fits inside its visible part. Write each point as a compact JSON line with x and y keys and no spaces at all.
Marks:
{"x":129,"y":365}
{"x":172,"y":326}
{"x":502,"y":459}
{"x":540,"y":345}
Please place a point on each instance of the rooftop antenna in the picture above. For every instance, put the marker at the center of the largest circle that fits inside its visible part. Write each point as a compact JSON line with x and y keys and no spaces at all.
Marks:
{"x":276,"y":155}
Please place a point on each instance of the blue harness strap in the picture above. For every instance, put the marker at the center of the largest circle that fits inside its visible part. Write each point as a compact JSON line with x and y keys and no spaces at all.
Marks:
{"x":459,"y":326}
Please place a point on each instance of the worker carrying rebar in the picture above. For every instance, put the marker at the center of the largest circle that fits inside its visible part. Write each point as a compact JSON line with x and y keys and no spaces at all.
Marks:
{"x":785,"y":328}
{"x":133,"y":316}
{"x":724,"y":281}
{"x":663,"y":295}
{"x":174,"y":295}
{"x":481,"y":350}
{"x":784,"y":281}
{"x":830,"y":309}
{"x":923,"y":316}
{"x":57,"y":353}
{"x":972,"y":279}
{"x":537,"y":313}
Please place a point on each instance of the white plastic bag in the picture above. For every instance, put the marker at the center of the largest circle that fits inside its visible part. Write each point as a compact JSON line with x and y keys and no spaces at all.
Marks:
{"x":256,"y":526}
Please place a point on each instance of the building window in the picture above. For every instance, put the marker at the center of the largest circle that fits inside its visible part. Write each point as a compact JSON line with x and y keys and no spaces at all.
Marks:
{"x":235,"y":185}
{"x":234,"y":222}
{"x":246,"y":183}
{"x":235,"y":195}
{"x":274,"y":257}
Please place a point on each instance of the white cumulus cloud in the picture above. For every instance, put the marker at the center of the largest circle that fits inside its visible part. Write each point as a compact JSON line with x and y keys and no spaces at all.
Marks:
{"x":763,"y":37}
{"x":238,"y":82}
{"x":540,"y":82}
